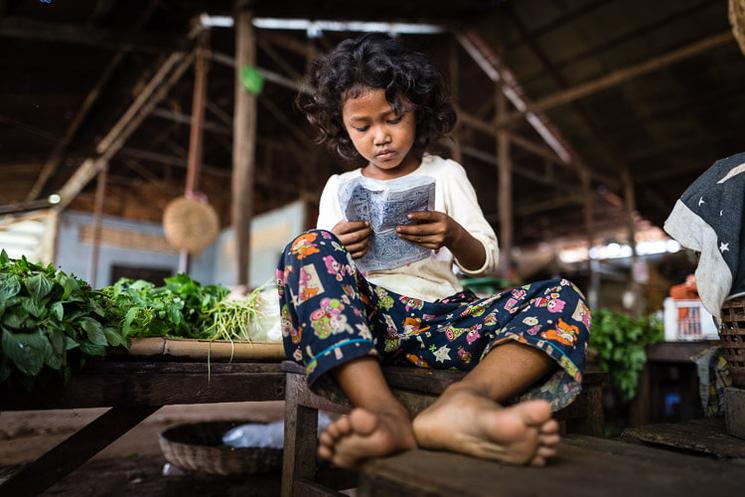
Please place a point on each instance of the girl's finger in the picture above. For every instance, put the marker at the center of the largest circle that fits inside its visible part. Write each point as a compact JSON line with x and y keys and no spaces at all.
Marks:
{"x":355,"y":237}
{"x":417,"y":229}
{"x":357,"y":255}
{"x":356,"y":247}
{"x":421,"y":238}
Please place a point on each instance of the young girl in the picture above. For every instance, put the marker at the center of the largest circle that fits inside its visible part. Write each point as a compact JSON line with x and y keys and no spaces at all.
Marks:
{"x":381,"y":105}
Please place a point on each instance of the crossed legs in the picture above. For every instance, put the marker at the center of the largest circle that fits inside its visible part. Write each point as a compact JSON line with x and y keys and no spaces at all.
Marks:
{"x":467,"y":418}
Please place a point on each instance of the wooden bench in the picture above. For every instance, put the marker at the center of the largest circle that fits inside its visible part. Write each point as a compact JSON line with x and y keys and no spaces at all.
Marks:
{"x":585,"y":467}
{"x":416,"y":388}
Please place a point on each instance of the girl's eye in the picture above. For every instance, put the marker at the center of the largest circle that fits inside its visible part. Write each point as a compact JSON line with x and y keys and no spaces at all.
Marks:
{"x":396,"y":120}
{"x":362,"y":129}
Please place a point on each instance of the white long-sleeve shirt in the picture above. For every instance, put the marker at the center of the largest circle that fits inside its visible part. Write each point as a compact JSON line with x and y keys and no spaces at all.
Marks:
{"x":432,"y":278}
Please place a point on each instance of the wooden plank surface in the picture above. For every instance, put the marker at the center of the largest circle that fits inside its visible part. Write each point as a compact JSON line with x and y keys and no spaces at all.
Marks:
{"x":706,"y":437}
{"x":128,"y":383}
{"x":586,"y":466}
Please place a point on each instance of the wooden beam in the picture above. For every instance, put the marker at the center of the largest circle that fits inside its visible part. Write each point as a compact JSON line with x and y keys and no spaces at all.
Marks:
{"x":504,"y":168}
{"x":454,"y":80}
{"x":181,"y":118}
{"x":196,"y":135}
{"x":170,"y":160}
{"x":244,"y":144}
{"x":278,"y":59}
{"x":630,"y":203}
{"x":127,"y":124}
{"x":617,"y":77}
{"x":97,"y":217}
{"x":268,"y":75}
{"x":289,"y":43}
{"x":534,"y":207}
{"x":196,"y":131}
{"x":51,"y":164}
{"x":27,"y":29}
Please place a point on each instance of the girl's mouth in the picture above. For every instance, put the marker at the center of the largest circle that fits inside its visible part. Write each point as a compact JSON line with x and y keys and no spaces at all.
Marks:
{"x":385,"y":154}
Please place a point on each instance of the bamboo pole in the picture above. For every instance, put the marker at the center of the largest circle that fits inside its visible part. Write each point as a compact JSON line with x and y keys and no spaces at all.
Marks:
{"x":630,"y":203}
{"x":97,"y":222}
{"x":454,"y":67}
{"x":244,"y":143}
{"x":505,"y":187}
{"x":196,"y":132}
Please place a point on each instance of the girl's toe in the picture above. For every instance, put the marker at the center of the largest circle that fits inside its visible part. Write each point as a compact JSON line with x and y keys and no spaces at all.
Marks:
{"x":549,"y":427}
{"x":538,"y":461}
{"x":325,"y":452}
{"x":546,"y":452}
{"x":549,"y":440}
{"x":326,"y":439}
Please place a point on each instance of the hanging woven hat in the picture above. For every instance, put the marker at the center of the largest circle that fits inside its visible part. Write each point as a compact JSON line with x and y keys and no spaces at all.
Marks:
{"x":737,"y":19}
{"x":190,"y":224}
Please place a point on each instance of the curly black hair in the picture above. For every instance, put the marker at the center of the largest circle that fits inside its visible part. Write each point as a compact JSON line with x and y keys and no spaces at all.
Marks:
{"x":376,"y":61}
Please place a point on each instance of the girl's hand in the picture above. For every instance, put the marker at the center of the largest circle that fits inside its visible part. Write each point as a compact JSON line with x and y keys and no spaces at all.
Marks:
{"x":354,"y":235}
{"x":431,"y":229}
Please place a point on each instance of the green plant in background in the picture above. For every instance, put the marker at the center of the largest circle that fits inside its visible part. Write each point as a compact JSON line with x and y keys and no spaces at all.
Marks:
{"x":46,"y":315}
{"x":619,"y":341}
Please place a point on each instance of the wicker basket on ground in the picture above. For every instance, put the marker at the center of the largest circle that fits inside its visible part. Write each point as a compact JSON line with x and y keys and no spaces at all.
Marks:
{"x":199,"y":447}
{"x":732,"y":335}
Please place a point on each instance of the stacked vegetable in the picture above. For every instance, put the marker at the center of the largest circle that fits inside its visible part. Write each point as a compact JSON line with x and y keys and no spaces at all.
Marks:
{"x":50,"y":320}
{"x":47,"y":318}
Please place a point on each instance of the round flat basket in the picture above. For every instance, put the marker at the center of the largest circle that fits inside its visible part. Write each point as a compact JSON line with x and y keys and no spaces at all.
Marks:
{"x":199,"y":447}
{"x":732,"y":336}
{"x":189,"y":224}
{"x":737,"y":19}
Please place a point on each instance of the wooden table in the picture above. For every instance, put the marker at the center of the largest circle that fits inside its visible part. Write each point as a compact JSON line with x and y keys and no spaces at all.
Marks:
{"x":648,"y":407}
{"x":586,"y":466}
{"x":133,"y":390}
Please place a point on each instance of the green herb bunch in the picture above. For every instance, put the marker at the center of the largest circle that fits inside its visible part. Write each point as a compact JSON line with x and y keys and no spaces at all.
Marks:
{"x":46,"y":316}
{"x":620,"y":340}
{"x":178,"y":309}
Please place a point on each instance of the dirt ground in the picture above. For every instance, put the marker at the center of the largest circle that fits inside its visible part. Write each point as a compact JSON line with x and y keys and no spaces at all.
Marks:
{"x":134,"y":463}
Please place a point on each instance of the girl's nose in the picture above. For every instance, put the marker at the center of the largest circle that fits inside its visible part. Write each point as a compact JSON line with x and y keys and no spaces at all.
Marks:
{"x":381,"y":136}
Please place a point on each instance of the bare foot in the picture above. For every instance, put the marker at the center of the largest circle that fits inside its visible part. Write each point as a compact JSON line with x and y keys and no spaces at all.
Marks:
{"x":464,"y":421}
{"x":363,"y":434}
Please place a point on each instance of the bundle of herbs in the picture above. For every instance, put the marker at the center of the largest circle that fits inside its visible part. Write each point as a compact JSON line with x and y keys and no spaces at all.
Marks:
{"x":181,"y":308}
{"x":49,"y":321}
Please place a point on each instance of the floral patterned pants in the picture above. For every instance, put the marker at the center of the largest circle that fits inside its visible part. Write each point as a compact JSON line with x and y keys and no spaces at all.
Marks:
{"x":331,"y":314}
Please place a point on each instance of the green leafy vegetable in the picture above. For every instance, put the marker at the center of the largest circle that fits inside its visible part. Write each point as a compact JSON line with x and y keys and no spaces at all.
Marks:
{"x":45,"y":316}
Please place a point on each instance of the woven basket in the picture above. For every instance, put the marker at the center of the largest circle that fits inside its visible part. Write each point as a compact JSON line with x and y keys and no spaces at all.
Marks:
{"x":190,"y":224}
{"x":199,"y":447}
{"x":737,"y":19}
{"x":732,"y":335}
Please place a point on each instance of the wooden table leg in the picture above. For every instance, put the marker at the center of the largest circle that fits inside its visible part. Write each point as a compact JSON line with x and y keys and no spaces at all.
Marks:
{"x":33,"y":478}
{"x":301,"y":424}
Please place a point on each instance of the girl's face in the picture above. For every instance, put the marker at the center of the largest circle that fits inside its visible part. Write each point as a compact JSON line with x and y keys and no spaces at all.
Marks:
{"x":383,"y":138}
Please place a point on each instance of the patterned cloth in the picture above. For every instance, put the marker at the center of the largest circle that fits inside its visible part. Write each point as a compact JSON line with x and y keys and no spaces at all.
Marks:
{"x":331,"y":314}
{"x":710,"y":218}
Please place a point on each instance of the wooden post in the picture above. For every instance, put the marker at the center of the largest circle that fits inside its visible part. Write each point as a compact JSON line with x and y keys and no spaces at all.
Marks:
{"x":454,"y":67}
{"x":593,"y":281}
{"x":97,"y":215}
{"x":244,"y":143}
{"x":505,"y":187}
{"x":196,"y":132}
{"x":630,"y":202}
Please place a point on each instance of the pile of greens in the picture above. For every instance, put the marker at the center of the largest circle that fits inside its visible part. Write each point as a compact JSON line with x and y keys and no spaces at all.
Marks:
{"x":619,"y":341}
{"x":48,"y":320}
{"x":181,"y":308}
